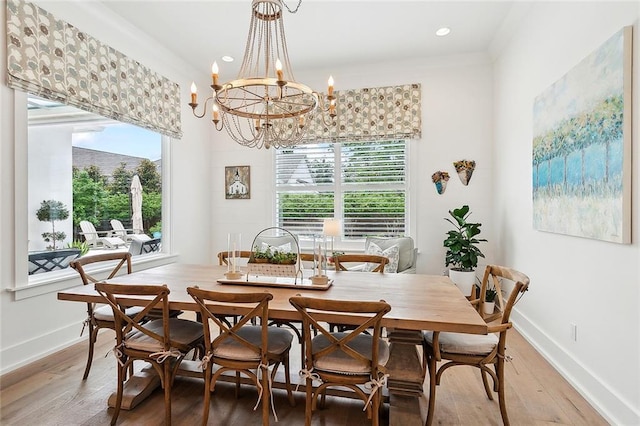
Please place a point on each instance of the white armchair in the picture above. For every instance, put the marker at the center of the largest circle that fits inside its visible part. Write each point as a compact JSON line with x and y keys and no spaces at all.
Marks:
{"x":408,"y":254}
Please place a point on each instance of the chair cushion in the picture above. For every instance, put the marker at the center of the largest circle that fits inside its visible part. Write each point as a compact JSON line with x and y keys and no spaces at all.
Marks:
{"x":105,"y":313}
{"x":183,"y":333}
{"x":340,"y":362}
{"x":392,"y":253}
{"x":465,"y":344}
{"x":405,"y":244}
{"x":278,"y":343}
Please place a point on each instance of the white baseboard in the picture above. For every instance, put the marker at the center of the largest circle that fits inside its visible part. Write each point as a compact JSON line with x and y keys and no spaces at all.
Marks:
{"x":614,"y":408}
{"x":14,"y":356}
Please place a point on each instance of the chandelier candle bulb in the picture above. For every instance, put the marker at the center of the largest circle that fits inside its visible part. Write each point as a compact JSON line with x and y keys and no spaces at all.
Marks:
{"x":216,"y":113}
{"x":330,"y":83}
{"x":214,"y":74}
{"x":279,"y":72}
{"x":194,"y":93}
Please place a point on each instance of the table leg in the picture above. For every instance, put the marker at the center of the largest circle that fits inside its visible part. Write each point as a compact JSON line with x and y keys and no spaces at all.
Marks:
{"x":405,"y":378}
{"x":137,"y":388}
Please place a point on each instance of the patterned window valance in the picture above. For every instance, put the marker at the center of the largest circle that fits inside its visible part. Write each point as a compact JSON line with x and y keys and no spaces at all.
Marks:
{"x":53,"y":59}
{"x":375,"y":113}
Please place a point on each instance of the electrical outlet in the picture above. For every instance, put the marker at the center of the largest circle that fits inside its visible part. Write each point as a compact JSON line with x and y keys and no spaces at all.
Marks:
{"x":574,"y":332}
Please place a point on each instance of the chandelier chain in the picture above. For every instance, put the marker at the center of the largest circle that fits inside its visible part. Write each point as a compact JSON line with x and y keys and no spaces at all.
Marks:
{"x":296,"y":9}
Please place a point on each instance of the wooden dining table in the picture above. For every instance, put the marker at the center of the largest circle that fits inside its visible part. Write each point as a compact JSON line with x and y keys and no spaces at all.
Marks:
{"x":418,"y":302}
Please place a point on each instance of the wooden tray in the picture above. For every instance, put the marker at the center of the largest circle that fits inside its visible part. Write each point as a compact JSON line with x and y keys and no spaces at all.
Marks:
{"x":282,"y":282}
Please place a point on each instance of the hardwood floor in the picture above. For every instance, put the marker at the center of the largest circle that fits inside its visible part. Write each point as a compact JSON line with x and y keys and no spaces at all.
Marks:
{"x":51,"y":392}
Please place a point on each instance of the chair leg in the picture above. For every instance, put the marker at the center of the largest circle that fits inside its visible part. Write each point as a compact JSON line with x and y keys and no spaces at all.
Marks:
{"x":432,"y":389}
{"x":207,"y":395}
{"x":93,"y":336}
{"x":308,"y":402}
{"x":501,"y":389}
{"x":287,"y":380}
{"x":237,"y":384}
{"x":485,"y":382}
{"x":266,"y":393}
{"x":167,"y":392}
{"x":121,"y":378}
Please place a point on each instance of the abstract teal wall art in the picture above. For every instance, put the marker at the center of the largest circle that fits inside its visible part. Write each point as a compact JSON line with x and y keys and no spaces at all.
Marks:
{"x":582,"y":147}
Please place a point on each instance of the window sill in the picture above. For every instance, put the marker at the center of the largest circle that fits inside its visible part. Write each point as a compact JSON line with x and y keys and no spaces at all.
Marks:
{"x":52,"y":282}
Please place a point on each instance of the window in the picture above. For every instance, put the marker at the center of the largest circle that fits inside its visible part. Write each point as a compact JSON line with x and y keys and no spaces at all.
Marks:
{"x":81,"y":168}
{"x":362,"y":183}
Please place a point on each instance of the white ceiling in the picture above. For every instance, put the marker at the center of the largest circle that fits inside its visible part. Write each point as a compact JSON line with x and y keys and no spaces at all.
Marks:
{"x":323,"y":33}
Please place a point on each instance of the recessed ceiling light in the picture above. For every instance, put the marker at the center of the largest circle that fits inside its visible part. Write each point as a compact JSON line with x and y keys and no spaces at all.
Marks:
{"x":227,"y":58}
{"x":443,"y":31}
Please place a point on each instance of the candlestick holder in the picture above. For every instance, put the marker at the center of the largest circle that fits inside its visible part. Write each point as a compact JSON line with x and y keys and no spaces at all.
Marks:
{"x":234,"y":244}
{"x":319,"y":260}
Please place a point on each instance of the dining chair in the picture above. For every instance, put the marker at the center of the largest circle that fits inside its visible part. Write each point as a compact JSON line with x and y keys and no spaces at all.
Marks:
{"x":352,"y":359}
{"x":102,"y":316}
{"x":480,"y":351}
{"x":223,"y":256}
{"x":242,"y":347}
{"x":366,"y":262}
{"x":162,"y":342}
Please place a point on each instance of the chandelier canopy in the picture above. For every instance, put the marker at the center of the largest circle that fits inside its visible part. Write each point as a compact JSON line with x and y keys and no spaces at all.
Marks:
{"x":265,"y":106}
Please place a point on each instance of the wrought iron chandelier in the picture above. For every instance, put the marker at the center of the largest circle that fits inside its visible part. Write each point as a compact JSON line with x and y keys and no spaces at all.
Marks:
{"x":265,"y":106}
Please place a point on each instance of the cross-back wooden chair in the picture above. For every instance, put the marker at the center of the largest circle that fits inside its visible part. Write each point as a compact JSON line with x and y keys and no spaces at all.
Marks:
{"x":341,"y":261}
{"x":372,"y":260}
{"x":350,"y":359}
{"x":223,"y":256}
{"x":480,"y":351}
{"x":162,"y":342}
{"x":242,"y":347}
{"x":100,"y":317}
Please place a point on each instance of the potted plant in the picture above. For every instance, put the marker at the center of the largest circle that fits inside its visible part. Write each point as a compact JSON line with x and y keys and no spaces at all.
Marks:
{"x":259,"y":256}
{"x":462,"y":249}
{"x":52,"y":211}
{"x":490,"y":300}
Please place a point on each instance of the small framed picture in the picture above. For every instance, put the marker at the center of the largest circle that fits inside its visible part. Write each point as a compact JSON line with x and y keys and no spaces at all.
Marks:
{"x":237,"y":184}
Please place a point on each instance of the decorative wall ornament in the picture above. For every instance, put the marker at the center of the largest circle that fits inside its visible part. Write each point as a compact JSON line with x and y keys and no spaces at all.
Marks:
{"x":50,"y":58}
{"x":377,"y":113}
{"x":237,"y":182}
{"x":440,"y":180}
{"x":582,"y":147}
{"x":465,"y":169}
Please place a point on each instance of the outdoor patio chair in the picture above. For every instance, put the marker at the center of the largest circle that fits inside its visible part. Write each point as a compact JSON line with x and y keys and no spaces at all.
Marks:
{"x":95,"y":238}
{"x":120,"y":231}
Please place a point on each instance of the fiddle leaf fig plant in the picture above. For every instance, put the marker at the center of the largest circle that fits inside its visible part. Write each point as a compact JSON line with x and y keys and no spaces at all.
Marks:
{"x":461,"y":243}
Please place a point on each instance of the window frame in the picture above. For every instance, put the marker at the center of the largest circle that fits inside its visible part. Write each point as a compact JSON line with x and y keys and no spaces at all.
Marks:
{"x":357,"y":245}
{"x":25,"y":285}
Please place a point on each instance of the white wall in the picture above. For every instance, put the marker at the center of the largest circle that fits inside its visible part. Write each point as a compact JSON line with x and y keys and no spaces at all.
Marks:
{"x":35,"y":326}
{"x":590,"y":283}
{"x":52,"y":165}
{"x":456,"y":124}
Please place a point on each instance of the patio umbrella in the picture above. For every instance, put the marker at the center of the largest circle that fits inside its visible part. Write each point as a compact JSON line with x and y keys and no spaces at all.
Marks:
{"x":136,"y":204}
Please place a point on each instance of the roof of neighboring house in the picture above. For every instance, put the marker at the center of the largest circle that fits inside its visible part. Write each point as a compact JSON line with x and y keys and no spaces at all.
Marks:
{"x":106,"y":161}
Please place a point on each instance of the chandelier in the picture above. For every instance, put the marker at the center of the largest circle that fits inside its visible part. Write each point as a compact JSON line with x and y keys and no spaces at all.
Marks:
{"x":265,"y":106}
